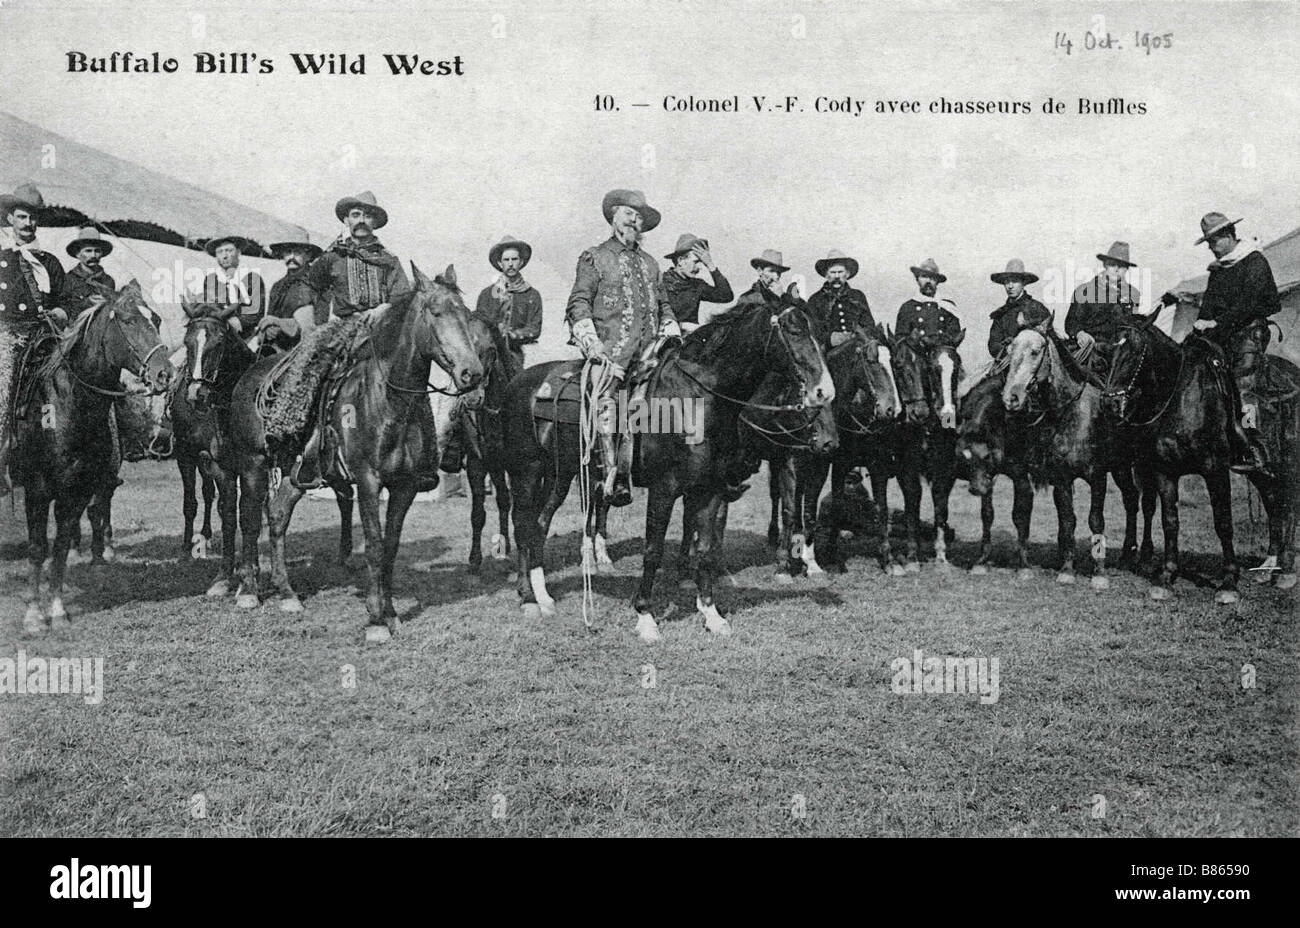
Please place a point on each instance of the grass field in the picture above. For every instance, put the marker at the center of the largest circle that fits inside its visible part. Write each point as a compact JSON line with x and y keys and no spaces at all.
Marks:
{"x":1115,"y":716}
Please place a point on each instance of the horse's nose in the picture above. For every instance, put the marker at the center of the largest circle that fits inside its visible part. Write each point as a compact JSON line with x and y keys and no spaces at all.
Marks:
{"x":1014,"y":400}
{"x":469,"y":377}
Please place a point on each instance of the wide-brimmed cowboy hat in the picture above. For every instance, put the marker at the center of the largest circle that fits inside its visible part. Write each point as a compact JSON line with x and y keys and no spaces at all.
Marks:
{"x":634,"y":198}
{"x":929,"y":269}
{"x":1211,"y":223}
{"x":1118,"y":253}
{"x":685,"y":242}
{"x":769,"y":258}
{"x":1015,"y":271}
{"x":243,"y":244}
{"x":26,"y":196}
{"x":525,"y":251}
{"x":837,"y":257}
{"x":302,"y":243}
{"x":89,"y":236}
{"x":365,"y":199}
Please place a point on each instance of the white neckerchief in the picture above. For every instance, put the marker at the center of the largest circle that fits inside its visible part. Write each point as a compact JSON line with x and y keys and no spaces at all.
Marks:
{"x":922,"y":298}
{"x":1243,"y":250}
{"x":237,"y":281}
{"x":28,"y":251}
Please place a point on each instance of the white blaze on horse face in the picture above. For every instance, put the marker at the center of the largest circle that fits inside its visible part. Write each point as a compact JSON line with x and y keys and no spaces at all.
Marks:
{"x":882,"y":355}
{"x":1026,"y":354}
{"x":946,"y":367}
{"x":200,"y":342}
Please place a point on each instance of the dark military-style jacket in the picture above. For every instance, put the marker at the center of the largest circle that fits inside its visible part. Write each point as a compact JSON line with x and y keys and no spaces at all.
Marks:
{"x":928,"y":317}
{"x":80,"y":286}
{"x":840,"y":309}
{"x":1238,"y":295}
{"x":20,"y":298}
{"x":1099,"y":307}
{"x":1006,"y":320}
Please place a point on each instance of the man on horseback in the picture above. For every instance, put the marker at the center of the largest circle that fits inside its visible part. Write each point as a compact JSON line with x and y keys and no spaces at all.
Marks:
{"x":1239,"y":298}
{"x":293,"y":302}
{"x":88,"y":278}
{"x":838,"y":308}
{"x":360,"y":277}
{"x":31,"y":281}
{"x":1019,"y":311}
{"x":1100,"y":306}
{"x":927,"y":315}
{"x":230,"y":285}
{"x":764,"y":291}
{"x":685,"y":288}
{"x":617,"y":311}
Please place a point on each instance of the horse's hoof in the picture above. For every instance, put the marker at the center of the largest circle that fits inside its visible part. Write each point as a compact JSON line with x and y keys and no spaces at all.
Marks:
{"x":1025,"y":573}
{"x":33,"y":621}
{"x":1100,"y":582}
{"x":1160,"y":593}
{"x":979,"y":570}
{"x":783,"y":577}
{"x":717,"y":625}
{"x":1226,"y":597}
{"x":59,"y":621}
{"x":218,"y":589}
{"x":943,"y":566}
{"x":896,"y":570}
{"x":547,"y":608}
{"x":531,"y":610}
{"x":109,"y":554}
{"x":1065,"y":578}
{"x":1286,"y":581}
{"x":912,"y":567}
{"x":74,"y":557}
{"x":647,"y":629}
{"x":378,"y":634}
{"x":247,"y":601}
{"x":290,"y":604}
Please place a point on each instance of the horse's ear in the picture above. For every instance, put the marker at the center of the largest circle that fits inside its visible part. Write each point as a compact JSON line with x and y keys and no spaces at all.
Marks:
{"x":133,"y":286}
{"x":226,"y":312}
{"x":449,"y":275}
{"x":421,"y":282}
{"x":188,"y":306}
{"x":1046,"y":325}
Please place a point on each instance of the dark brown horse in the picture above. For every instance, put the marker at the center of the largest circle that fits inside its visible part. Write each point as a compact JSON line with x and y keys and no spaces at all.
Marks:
{"x":385,"y":430}
{"x":1066,"y":439}
{"x":65,"y":447}
{"x":485,"y":442}
{"x":1165,"y":399}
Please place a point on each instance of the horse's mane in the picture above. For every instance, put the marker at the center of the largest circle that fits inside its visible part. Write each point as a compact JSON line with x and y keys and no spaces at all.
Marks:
{"x":1070,"y":363}
{"x":711,"y":338}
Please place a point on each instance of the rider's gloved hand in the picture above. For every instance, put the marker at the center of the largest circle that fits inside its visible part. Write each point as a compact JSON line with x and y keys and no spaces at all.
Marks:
{"x":1203,"y":325}
{"x":839,"y":338}
{"x":1084,"y":339}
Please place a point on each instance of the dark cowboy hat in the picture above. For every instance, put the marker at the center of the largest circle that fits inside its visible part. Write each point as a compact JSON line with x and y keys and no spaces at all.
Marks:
{"x":244,"y":245}
{"x":685,"y":242}
{"x":280,"y":249}
{"x":26,"y":196}
{"x":525,"y":251}
{"x":365,"y":199}
{"x":634,"y":198}
{"x":1118,"y":254}
{"x":929,"y":269}
{"x":1211,"y":223}
{"x":1015,"y":271}
{"x":769,"y":258}
{"x":837,"y":257}
{"x":89,"y":236}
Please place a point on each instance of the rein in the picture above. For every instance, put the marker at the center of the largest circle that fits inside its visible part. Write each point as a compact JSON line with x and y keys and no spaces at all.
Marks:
{"x":1127,"y":391}
{"x":79,"y":337}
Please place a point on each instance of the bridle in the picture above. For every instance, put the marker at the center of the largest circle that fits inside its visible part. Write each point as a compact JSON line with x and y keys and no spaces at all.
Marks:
{"x":439,"y":357}
{"x":858,"y":427}
{"x":142,"y":363}
{"x":1035,"y":380}
{"x":1129,"y":391}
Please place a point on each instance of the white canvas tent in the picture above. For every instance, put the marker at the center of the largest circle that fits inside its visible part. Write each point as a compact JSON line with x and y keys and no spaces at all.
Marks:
{"x":1284,"y":257}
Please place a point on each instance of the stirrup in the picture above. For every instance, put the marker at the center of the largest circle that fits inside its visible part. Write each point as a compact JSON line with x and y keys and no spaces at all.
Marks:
{"x":295,"y":476}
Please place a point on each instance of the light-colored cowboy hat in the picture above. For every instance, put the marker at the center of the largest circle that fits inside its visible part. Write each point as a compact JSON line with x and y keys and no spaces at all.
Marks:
{"x":929,"y":269}
{"x":1118,"y":253}
{"x":365,"y":199}
{"x":634,"y":198}
{"x":837,"y":257}
{"x":769,"y":258}
{"x":303,"y":243}
{"x":1015,"y":271}
{"x":89,"y":235}
{"x":525,"y":251}
{"x":244,"y":245}
{"x":685,"y":242}
{"x":25,"y":195}
{"x":1211,"y":223}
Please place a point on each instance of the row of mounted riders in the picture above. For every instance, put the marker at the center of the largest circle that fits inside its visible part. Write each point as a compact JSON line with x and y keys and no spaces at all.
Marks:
{"x":1037,"y":417}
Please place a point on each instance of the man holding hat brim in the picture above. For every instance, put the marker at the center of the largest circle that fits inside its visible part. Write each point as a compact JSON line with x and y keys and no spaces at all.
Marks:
{"x":87,"y":278}
{"x":357,"y":277}
{"x":1100,"y":306}
{"x":292,"y":306}
{"x":31,"y":280}
{"x":837,"y":307}
{"x":617,"y":311}
{"x":928,"y":315}
{"x":685,"y":287}
{"x":770,"y":266}
{"x":1020,"y":311}
{"x":230,"y":285}
{"x":1239,"y":298}
{"x":509,"y":304}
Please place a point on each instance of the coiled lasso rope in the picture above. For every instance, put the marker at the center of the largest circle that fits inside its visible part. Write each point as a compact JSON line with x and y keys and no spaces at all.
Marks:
{"x":595,"y":381}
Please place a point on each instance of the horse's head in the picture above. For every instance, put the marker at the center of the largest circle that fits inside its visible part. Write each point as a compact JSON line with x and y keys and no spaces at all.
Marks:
{"x":909,"y":357}
{"x":791,"y":345}
{"x":944,"y":369}
{"x":441,"y":328}
{"x":864,"y":377}
{"x":1028,"y":363}
{"x":1131,"y":369}
{"x":130,"y":342}
{"x":981,"y":435}
{"x":207,"y":337}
